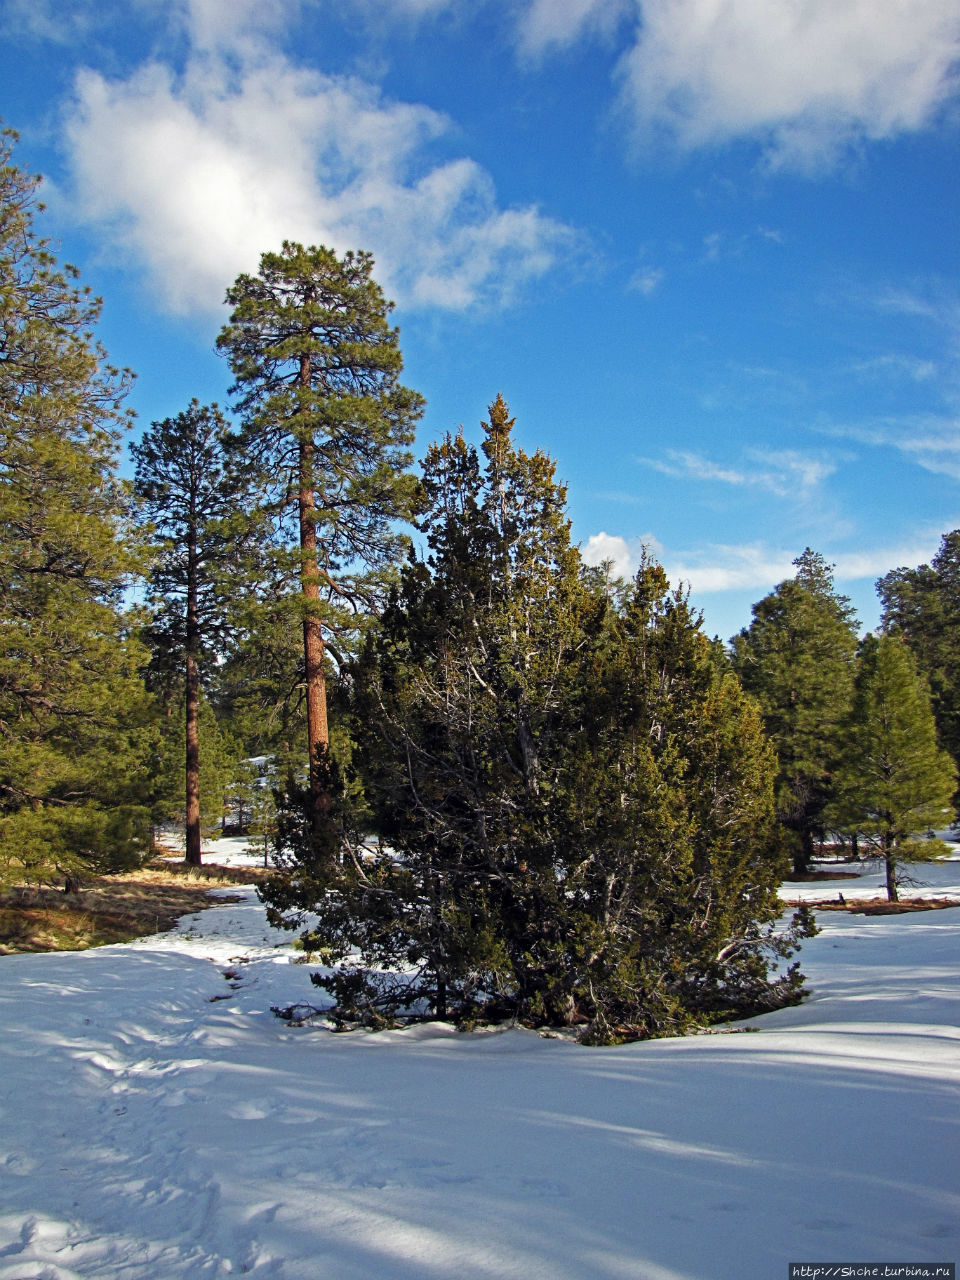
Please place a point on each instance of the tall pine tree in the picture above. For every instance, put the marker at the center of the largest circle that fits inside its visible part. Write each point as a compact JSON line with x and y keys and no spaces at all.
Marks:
{"x":195,"y":503}
{"x":893,"y":781}
{"x":70,"y":697}
{"x":797,"y":658}
{"x":327,"y":421}
{"x":923,"y":605}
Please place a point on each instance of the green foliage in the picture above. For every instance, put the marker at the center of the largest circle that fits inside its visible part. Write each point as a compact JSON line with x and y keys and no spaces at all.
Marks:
{"x":923,"y":605}
{"x":572,"y":793}
{"x":219,"y":762}
{"x":193,"y":501}
{"x":72,"y":712}
{"x":797,"y":658}
{"x":893,"y":780}
{"x":259,"y":684}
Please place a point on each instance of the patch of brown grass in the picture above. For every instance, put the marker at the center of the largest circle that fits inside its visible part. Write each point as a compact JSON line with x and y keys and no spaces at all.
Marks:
{"x":114,"y":908}
{"x":879,"y":906}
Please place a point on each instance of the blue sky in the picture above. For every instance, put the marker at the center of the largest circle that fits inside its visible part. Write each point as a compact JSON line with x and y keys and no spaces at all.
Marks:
{"x":707,"y":249}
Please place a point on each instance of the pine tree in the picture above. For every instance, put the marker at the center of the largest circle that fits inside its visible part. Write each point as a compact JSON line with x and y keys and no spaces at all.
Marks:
{"x":893,"y":780}
{"x":71,"y":706}
{"x":194,"y":501}
{"x":328,"y":423}
{"x":797,"y":658}
{"x":923,"y":605}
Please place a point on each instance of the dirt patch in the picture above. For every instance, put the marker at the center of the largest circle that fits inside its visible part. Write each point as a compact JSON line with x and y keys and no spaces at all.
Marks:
{"x":879,"y":906}
{"x":111,"y":908}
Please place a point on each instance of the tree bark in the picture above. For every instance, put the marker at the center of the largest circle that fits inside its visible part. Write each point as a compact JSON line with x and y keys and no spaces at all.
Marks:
{"x":803,"y":852}
{"x":318,"y":734}
{"x":192,"y":697}
{"x":891,"y":869}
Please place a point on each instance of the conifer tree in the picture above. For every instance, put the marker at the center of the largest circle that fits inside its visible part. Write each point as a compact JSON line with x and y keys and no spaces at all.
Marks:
{"x":797,"y":658}
{"x":71,"y":702}
{"x":893,"y":780}
{"x":923,"y":605}
{"x":194,"y":501}
{"x":328,"y":423}
{"x":573,"y":795}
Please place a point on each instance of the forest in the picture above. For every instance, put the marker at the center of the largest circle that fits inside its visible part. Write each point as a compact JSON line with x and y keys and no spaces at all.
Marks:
{"x":503,"y":783}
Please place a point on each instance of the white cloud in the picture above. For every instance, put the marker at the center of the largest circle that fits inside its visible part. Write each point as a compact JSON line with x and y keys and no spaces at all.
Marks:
{"x":720,"y":567}
{"x":623,"y":555}
{"x":193,"y":176}
{"x":723,"y":567}
{"x":238,"y":27}
{"x":850,"y":566}
{"x":714,"y":568}
{"x":805,"y":77}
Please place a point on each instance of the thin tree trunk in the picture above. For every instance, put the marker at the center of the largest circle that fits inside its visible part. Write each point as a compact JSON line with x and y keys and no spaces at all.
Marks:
{"x":192,"y":706}
{"x":803,"y":853}
{"x":891,"y":867}
{"x":318,"y":735}
{"x":441,"y":1007}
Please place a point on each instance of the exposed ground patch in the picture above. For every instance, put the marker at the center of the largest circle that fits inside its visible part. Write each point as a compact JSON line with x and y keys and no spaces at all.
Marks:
{"x":877,"y":906}
{"x":110,"y":909}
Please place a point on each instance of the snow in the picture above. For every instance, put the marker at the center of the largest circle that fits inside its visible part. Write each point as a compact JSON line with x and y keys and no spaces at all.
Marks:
{"x":152,"y":1130}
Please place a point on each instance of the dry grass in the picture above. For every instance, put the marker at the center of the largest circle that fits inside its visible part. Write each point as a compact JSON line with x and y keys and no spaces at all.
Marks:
{"x":111,"y":908}
{"x":878,"y":906}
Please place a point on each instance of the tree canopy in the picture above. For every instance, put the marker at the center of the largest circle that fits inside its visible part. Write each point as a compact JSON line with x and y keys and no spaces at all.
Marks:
{"x":893,"y":781}
{"x":797,"y":658}
{"x":71,"y":703}
{"x":923,"y":605}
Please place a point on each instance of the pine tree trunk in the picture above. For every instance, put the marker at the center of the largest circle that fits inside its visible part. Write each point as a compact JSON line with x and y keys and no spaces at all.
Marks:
{"x":803,"y":853}
{"x":192,"y":700}
{"x":318,"y":735}
{"x":891,"y":868}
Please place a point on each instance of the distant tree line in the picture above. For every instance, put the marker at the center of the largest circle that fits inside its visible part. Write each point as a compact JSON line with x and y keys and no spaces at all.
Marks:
{"x":863,"y":754}
{"x":503,"y":782}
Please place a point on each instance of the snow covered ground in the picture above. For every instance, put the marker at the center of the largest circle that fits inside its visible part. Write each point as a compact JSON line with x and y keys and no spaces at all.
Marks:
{"x":157,"y":1122}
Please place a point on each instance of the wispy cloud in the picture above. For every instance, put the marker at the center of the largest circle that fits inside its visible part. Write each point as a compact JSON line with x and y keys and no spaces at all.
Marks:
{"x":718,"y":246}
{"x":932,"y":443}
{"x":195,"y":174}
{"x":895,"y":367}
{"x":647,"y":280}
{"x":783,"y":472}
{"x":930,"y":301}
{"x":546,"y":24}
